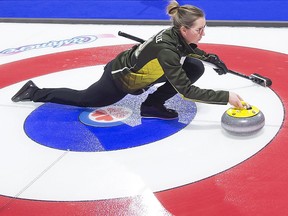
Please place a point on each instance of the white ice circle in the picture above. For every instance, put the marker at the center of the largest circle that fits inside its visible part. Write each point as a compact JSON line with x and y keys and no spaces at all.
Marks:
{"x":200,"y":150}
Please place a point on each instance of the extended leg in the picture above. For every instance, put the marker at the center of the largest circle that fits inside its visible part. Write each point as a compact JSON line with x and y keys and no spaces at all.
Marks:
{"x":102,"y":93}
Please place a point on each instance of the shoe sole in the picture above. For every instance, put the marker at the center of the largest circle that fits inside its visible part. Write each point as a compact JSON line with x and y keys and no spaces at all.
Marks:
{"x":23,"y":89}
{"x":152,"y":117}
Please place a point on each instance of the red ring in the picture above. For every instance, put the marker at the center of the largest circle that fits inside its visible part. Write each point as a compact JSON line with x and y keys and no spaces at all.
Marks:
{"x":208,"y":197}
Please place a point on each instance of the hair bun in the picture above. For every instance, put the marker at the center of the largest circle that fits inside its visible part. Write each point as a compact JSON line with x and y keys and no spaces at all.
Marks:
{"x":172,"y":9}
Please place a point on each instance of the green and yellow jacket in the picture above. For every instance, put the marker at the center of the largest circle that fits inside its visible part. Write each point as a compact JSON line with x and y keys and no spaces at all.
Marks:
{"x":157,"y":58}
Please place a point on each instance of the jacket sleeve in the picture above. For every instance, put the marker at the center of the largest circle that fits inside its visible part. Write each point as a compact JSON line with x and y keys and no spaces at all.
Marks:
{"x":170,"y":62}
{"x":199,"y":54}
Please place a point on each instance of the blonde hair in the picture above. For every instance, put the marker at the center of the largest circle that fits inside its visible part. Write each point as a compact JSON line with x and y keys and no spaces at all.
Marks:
{"x":184,"y":15}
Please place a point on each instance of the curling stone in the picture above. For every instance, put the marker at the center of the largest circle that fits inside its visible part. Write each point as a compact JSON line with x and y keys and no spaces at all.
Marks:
{"x":245,"y":121}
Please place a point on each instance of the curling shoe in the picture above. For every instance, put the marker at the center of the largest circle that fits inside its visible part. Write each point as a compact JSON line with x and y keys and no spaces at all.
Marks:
{"x":25,"y":93}
{"x":160,"y":112}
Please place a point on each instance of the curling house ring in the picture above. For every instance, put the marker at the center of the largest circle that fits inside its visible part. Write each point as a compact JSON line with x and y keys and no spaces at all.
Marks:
{"x":244,"y":121}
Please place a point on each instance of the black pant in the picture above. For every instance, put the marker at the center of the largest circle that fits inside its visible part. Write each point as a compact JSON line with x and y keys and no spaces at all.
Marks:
{"x":104,"y":92}
{"x":194,"y":69}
